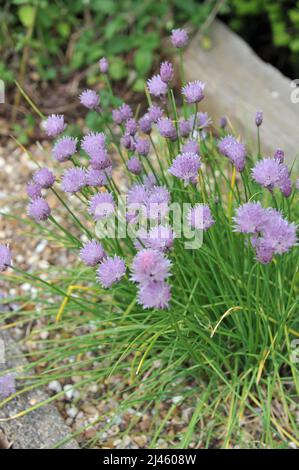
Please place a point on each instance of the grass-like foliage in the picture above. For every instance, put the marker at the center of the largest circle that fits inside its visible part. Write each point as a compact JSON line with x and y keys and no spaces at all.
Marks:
{"x":225,"y":313}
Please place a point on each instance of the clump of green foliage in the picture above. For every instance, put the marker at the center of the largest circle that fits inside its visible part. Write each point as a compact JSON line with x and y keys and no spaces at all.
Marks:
{"x":64,"y":36}
{"x":282,"y":19}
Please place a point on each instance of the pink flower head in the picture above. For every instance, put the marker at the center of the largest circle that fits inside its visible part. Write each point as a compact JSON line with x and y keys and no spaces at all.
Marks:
{"x":270,"y":173}
{"x":90,"y":99}
{"x":101,"y":206}
{"x":150,"y":266}
{"x":154,"y":295}
{"x":158,"y":202}
{"x":73,"y":180}
{"x":179,"y":38}
{"x":64,"y":148}
{"x":185,"y":167}
{"x":160,"y":237}
{"x":250,"y":218}
{"x":167,"y":128}
{"x":134,"y":165}
{"x":142,"y":146}
{"x":194,"y":91}
{"x":54,"y":125}
{"x":97,"y":177}
{"x":44,"y":177}
{"x":234,"y":150}
{"x":200,"y":217}
{"x":110,"y":271}
{"x":191,"y":147}
{"x":7,"y":385}
{"x":103,"y":65}
{"x":185,"y":127}
{"x":155,"y":113}
{"x":145,"y":123}
{"x":166,"y":72}
{"x":156,"y":86}
{"x":93,"y":143}
{"x":38,"y":209}
{"x":34,"y":190}
{"x":92,"y":253}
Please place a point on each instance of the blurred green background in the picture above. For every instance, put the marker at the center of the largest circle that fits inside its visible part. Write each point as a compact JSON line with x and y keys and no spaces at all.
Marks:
{"x":56,"y":38}
{"x":49,"y":45}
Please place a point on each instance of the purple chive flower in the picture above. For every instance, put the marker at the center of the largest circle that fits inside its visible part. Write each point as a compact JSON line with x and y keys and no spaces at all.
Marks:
{"x":271,"y":233}
{"x":145,"y":123}
{"x":90,"y":99}
{"x":126,"y":111}
{"x":93,"y":142}
{"x":185,"y":167}
{"x":259,"y":118}
{"x":128,"y":142}
{"x":179,"y":38}
{"x":279,"y":234}
{"x":7,"y":386}
{"x":39,"y":209}
{"x":270,"y":173}
{"x":149,"y":181}
{"x":194,"y":91}
{"x":5,"y":257}
{"x":137,"y":194}
{"x":185,"y":127}
{"x":44,"y":177}
{"x":150,"y":266}
{"x":167,"y":128}
{"x":279,"y":155}
{"x":297,"y":183}
{"x":100,"y":160}
{"x":285,"y":186}
{"x":160,"y":237}
{"x":154,"y":295}
{"x":34,"y":190}
{"x":103,"y":65}
{"x":110,"y":271}
{"x":131,"y":126}
{"x":166,"y":72}
{"x":191,"y":147}
{"x":234,"y":150}
{"x":223,"y":122}
{"x":155,"y":113}
{"x":64,"y":148}
{"x":134,"y":165}
{"x":250,"y":218}
{"x":264,"y":253}
{"x":142,"y":146}
{"x":92,"y":253}
{"x":157,"y":203}
{"x":73,"y":180}
{"x":156,"y":86}
{"x":117,"y":116}
{"x":200,"y":217}
{"x":101,"y":205}
{"x":122,"y":114}
{"x":97,"y":177}
{"x":54,"y":125}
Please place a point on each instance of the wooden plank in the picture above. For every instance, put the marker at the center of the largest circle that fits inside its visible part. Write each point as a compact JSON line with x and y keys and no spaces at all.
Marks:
{"x":238,"y":84}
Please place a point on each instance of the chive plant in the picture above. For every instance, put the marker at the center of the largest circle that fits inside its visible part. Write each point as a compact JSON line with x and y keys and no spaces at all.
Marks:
{"x":187,"y":286}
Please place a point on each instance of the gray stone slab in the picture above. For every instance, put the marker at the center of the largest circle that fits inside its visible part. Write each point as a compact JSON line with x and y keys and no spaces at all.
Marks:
{"x":39,"y":429}
{"x":238,"y":84}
